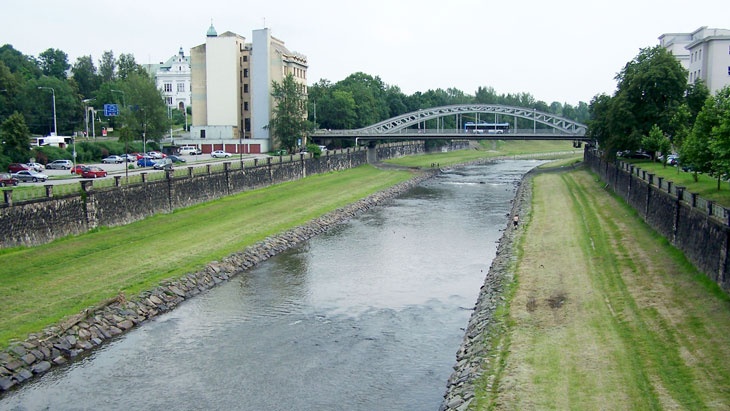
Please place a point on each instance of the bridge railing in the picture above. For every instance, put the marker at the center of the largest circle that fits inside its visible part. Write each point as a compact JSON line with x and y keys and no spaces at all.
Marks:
{"x":449,"y":131}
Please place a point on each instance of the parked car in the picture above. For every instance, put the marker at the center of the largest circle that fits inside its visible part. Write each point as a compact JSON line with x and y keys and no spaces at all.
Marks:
{"x":176,"y":159}
{"x":15,"y":167}
{"x":156,"y":155}
{"x":145,"y":162}
{"x":112,"y":160}
{"x":30,"y":175}
{"x":6,"y":180}
{"x":164,"y":164}
{"x":36,"y":167}
{"x":220,"y":154}
{"x":78,"y":168}
{"x":60,"y":165}
{"x":93,"y":172}
{"x":130,"y":158}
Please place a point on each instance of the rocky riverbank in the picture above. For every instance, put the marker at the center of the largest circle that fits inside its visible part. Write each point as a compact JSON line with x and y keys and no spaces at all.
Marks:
{"x":75,"y":337}
{"x":473,"y":356}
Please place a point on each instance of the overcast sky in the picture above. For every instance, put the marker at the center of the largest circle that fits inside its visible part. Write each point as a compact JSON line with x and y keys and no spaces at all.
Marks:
{"x":560,"y":50}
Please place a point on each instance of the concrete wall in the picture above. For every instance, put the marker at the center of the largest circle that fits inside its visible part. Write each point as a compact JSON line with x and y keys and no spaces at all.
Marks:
{"x":43,"y":220}
{"x":695,"y":226}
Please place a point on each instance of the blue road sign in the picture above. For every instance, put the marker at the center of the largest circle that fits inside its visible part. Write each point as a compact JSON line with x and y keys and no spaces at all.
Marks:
{"x":111,"y":110}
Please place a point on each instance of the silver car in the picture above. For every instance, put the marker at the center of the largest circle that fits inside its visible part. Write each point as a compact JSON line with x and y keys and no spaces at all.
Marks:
{"x":30,"y":175}
{"x":112,"y":160}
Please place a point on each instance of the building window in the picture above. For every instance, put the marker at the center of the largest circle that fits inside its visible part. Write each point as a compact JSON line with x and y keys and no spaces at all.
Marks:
{"x":245,"y":73}
{"x":245,"y":88}
{"x":169,"y":100}
{"x":728,"y":70}
{"x":181,"y":87}
{"x":245,"y":58}
{"x":168,"y":87}
{"x":245,"y":103}
{"x":202,"y":133}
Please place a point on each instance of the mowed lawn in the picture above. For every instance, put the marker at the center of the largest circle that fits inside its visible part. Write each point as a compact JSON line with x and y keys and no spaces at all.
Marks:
{"x":41,"y":285}
{"x":604,"y":314}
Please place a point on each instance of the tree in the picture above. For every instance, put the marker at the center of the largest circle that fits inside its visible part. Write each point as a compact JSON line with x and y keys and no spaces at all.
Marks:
{"x":146,"y":113}
{"x":289,"y":121}
{"x":719,"y":118}
{"x":696,"y":152}
{"x":108,"y":67}
{"x":15,"y":137}
{"x":656,"y":142}
{"x":127,"y":66}
{"x":54,"y":63}
{"x":651,"y":87}
{"x":85,"y":75}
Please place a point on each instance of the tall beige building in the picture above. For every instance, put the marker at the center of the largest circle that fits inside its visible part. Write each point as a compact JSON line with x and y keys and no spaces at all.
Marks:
{"x":705,"y":53}
{"x":231,"y":90}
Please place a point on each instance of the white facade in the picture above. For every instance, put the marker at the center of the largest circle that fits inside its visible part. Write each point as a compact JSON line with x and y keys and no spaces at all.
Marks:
{"x":705,"y":55}
{"x":231,"y":90}
{"x":173,"y":79}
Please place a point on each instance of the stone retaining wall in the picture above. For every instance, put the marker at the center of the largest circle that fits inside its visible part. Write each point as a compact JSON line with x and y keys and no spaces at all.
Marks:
{"x":43,"y":220}
{"x":702,"y":233}
{"x":88,"y":330}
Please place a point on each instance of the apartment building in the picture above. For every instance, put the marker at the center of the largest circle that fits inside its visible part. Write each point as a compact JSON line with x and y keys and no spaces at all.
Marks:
{"x":231,"y":90}
{"x":705,"y":53}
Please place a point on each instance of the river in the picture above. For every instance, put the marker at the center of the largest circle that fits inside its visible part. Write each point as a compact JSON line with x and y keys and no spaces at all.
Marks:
{"x":368,"y":316}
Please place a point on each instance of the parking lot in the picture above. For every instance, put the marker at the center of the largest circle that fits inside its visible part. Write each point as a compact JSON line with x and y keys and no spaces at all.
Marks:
{"x":65,"y":176}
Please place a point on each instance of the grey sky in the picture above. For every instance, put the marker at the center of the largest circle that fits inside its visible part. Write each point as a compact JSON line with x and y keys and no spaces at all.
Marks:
{"x":560,"y":50}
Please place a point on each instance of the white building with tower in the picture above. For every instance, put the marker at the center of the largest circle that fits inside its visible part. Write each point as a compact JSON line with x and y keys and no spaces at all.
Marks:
{"x":231,"y":90}
{"x":173,"y":78}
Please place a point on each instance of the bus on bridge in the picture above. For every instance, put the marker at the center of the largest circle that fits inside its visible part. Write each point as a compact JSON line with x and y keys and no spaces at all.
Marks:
{"x":483,"y":127}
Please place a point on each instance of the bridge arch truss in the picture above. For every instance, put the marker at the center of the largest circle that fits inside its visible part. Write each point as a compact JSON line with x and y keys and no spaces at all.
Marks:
{"x":408,"y":120}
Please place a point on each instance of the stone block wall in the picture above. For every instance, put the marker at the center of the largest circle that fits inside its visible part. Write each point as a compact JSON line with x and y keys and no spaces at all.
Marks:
{"x":695,"y":230}
{"x":43,"y":220}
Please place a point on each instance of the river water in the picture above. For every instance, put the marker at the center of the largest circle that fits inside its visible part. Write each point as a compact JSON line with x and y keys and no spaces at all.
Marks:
{"x":368,"y":316}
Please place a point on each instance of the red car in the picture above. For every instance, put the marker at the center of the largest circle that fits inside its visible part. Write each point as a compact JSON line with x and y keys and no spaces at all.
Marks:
{"x":78,"y":168}
{"x":93,"y":172}
{"x":15,"y":167}
{"x":7,"y":180}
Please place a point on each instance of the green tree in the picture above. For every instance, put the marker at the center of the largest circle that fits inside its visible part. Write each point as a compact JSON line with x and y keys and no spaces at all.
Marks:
{"x":54,"y":63}
{"x":289,"y":121}
{"x":108,"y":67}
{"x":656,"y":142}
{"x":15,"y":137}
{"x":696,"y":152}
{"x":85,"y":74}
{"x":145,"y":113}
{"x":651,"y":86}
{"x":720,"y":132}
{"x":26,"y":67}
{"x":127,"y":66}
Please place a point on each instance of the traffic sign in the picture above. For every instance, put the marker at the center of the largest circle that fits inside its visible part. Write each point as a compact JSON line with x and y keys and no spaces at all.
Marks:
{"x":111,"y":110}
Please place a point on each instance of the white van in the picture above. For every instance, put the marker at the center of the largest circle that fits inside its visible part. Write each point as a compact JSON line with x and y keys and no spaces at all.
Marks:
{"x":189,"y":150}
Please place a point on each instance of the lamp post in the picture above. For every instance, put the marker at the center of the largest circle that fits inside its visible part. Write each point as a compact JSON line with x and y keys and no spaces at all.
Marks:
{"x":53,"y":95}
{"x":124,"y":104}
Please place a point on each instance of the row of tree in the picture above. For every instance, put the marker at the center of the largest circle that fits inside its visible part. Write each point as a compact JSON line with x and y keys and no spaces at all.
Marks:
{"x":36,"y":87}
{"x":654,"y":109}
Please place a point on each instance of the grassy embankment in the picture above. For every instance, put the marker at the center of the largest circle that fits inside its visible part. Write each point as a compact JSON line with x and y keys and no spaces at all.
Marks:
{"x":604,"y":313}
{"x":705,"y":186}
{"x":41,"y":285}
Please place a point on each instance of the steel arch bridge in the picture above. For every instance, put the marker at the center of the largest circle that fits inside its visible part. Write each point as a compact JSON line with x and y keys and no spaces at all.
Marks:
{"x":402,"y":126}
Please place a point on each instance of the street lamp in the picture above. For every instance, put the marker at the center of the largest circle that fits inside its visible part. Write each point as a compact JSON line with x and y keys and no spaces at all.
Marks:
{"x":53,"y":95}
{"x":124,"y":104}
